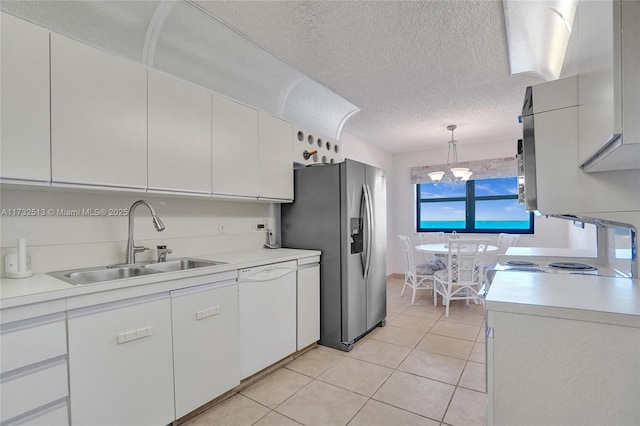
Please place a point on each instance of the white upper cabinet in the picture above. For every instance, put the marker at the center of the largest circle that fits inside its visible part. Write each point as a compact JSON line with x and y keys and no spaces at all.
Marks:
{"x":179,"y":135}
{"x":276,"y":158}
{"x":608,"y":85}
{"x":98,"y":117}
{"x":25,"y":100}
{"x":234,"y":148}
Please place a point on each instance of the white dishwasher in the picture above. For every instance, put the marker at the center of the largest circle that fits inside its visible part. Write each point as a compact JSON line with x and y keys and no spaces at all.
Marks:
{"x":267,"y":306}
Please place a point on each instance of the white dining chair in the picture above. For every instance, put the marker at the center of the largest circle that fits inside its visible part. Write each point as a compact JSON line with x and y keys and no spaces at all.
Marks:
{"x":417,"y":277}
{"x":430,"y":238}
{"x":505,"y":241}
{"x":464,"y":274}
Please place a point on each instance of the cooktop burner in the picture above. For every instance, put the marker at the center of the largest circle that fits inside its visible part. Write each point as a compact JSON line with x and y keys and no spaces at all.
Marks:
{"x":572,"y":266}
{"x":520,"y":263}
{"x":526,"y":270}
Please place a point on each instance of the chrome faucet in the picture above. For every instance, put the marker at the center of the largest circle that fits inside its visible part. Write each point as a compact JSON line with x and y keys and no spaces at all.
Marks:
{"x":132,"y":249}
{"x":163,"y":251}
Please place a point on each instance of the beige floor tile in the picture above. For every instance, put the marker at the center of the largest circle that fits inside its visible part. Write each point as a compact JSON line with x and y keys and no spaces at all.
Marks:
{"x":413,"y":323}
{"x":482,"y":335}
{"x":381,"y":353}
{"x":399,"y":336}
{"x":416,"y":394}
{"x":275,"y":419}
{"x":314,"y":362}
{"x":459,"y":331}
{"x":277,"y":387}
{"x":444,"y":345}
{"x":322,"y":404}
{"x":478,"y":353}
{"x":391,"y":316}
{"x":357,"y":376}
{"x":469,"y":315}
{"x":474,"y":377}
{"x":397,"y":306}
{"x":331,"y":350}
{"x":376,"y":413}
{"x":235,"y":411}
{"x":425,"y":311}
{"x":433,"y":366}
{"x":467,"y":408}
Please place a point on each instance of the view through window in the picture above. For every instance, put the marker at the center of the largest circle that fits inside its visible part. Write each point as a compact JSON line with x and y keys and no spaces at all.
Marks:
{"x":478,"y":206}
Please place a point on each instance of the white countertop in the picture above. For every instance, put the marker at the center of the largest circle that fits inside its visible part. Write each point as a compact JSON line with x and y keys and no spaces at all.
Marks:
{"x":580,"y":297}
{"x":550,"y":252}
{"x":43,"y":287}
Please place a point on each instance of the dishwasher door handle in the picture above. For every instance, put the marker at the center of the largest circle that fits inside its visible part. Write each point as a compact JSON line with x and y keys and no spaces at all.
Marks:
{"x":268,"y":274}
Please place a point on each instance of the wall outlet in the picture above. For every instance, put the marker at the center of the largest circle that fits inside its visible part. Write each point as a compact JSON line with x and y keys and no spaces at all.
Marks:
{"x":259,"y":226}
{"x":221,"y":226}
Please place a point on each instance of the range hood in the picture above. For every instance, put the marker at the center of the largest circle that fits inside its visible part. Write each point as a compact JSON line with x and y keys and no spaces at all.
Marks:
{"x":179,"y":38}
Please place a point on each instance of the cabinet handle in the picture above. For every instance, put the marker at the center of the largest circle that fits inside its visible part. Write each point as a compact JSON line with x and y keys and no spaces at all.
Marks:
{"x":132,"y":335}
{"x":206,"y":313}
{"x":490,"y":332}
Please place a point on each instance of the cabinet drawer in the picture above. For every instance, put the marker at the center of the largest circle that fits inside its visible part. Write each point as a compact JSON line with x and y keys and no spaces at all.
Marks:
{"x":28,"y":391}
{"x":55,"y":416}
{"x":30,"y":341}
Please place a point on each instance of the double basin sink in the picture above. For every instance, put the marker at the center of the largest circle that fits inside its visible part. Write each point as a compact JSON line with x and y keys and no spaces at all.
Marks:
{"x":116,"y":272}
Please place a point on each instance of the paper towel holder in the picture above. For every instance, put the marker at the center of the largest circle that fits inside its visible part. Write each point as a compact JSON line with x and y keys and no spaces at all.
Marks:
{"x":11,"y":266}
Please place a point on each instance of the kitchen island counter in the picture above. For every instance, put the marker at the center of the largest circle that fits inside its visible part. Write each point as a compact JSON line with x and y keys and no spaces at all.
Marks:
{"x":581,"y":297}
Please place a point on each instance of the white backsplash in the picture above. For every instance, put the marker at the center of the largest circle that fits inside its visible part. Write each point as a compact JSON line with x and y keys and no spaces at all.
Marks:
{"x":63,"y":242}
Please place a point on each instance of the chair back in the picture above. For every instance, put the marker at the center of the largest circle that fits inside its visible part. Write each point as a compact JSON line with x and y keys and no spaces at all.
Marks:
{"x":465,"y":261}
{"x":407,"y":251}
{"x":505,"y":241}
{"x":431,"y":237}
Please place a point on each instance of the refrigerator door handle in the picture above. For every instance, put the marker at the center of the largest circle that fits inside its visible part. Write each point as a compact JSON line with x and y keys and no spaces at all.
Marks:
{"x":368,"y":226}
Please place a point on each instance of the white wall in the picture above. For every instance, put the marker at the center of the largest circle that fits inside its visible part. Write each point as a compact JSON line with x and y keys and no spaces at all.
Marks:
{"x":63,"y":242}
{"x":364,"y":152}
{"x":549,"y":232}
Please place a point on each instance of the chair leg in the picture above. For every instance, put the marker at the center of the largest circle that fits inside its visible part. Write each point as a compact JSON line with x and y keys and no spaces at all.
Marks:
{"x":404,"y":286}
{"x":413,"y":296}
{"x":446,"y":311}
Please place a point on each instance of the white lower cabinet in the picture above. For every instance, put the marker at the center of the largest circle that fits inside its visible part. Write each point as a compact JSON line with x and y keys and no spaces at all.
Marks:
{"x":544,"y":370}
{"x":205,"y":343}
{"x":120,"y":362}
{"x":33,"y":376}
{"x":308,"y":303}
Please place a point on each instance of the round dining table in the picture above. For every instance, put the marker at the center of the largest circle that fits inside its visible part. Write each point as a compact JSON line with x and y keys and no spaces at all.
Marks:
{"x":443,"y":248}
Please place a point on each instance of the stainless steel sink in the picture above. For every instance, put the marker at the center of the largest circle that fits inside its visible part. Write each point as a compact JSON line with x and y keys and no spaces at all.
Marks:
{"x":181,"y":264}
{"x":117,"y":272}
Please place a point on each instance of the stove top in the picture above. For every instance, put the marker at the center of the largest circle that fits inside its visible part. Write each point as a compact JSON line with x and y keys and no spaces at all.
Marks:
{"x":572,"y":266}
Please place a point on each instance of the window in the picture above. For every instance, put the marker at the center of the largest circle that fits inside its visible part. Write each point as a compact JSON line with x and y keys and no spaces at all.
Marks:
{"x":480,"y":206}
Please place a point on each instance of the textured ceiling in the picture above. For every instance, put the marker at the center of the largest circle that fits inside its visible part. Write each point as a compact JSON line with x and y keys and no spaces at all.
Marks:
{"x":413,"y":67}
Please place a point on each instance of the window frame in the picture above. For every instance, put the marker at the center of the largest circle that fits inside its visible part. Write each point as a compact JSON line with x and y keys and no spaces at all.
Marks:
{"x":470,"y":211}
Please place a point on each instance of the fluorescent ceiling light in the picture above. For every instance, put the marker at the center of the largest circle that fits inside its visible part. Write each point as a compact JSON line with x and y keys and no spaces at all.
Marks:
{"x":537,"y":35}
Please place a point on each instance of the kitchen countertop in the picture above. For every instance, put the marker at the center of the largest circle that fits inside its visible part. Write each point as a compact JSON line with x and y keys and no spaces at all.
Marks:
{"x":581,"y":297}
{"x":550,"y":252}
{"x":42,"y":287}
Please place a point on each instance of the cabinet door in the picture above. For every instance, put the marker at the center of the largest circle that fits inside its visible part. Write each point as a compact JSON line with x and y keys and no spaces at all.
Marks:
{"x":276,"y":158}
{"x":179,"y":135}
{"x":120,"y":363}
{"x":98,"y":117}
{"x":308,"y":306}
{"x":559,"y":371}
{"x":205,"y":344}
{"x":597,"y":82}
{"x":235,"y":148}
{"x":25,"y":100}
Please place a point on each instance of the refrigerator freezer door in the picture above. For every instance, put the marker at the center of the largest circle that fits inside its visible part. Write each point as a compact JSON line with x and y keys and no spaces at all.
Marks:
{"x":354,"y":290}
{"x":377,"y":274}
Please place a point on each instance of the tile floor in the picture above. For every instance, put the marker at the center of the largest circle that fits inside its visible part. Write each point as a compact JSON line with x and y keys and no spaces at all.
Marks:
{"x":420,"y":369}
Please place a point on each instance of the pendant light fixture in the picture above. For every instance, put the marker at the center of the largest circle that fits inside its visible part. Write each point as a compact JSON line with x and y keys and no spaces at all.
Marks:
{"x":459,"y":174}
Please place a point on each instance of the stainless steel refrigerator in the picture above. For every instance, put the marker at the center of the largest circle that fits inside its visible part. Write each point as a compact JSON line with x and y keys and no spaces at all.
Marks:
{"x":340,"y":209}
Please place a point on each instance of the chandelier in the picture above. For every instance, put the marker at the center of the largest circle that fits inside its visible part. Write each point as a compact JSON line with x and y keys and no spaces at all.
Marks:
{"x":458,"y":174}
